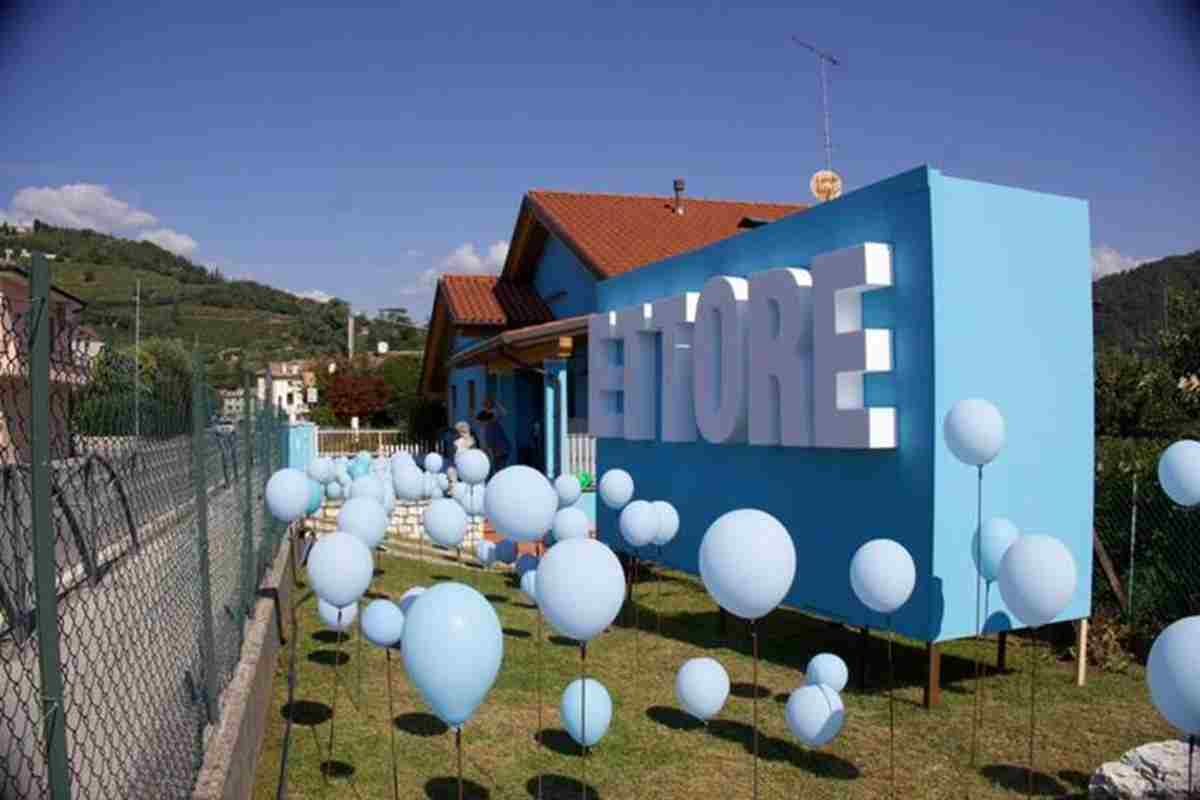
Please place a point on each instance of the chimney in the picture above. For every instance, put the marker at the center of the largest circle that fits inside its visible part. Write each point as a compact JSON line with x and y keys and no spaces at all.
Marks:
{"x":679,"y":195}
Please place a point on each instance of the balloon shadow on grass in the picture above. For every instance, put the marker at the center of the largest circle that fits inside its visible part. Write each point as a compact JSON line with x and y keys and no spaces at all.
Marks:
{"x":553,"y":785}
{"x":517,"y":633}
{"x":673,"y":718}
{"x":306,"y":712}
{"x":817,"y":762}
{"x":419,"y":723}
{"x":496,"y":598}
{"x":336,"y":769}
{"x":447,"y":789}
{"x":326,"y":636}
{"x":749,"y":690}
{"x":562,"y":641}
{"x":443,"y":578}
{"x":328,"y":658}
{"x":1016,"y":778}
{"x":559,"y":741}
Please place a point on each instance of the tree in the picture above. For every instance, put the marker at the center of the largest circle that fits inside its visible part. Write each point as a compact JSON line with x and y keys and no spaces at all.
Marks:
{"x":402,"y":375}
{"x":354,"y":393}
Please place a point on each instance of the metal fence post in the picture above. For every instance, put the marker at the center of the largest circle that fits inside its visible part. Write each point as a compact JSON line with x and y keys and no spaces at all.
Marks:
{"x":248,"y":509}
{"x":208,"y":650}
{"x":1132,"y":543}
{"x":44,"y":566}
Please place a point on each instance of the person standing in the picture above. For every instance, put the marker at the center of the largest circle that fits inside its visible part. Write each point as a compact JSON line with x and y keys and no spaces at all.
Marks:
{"x":495,"y":440}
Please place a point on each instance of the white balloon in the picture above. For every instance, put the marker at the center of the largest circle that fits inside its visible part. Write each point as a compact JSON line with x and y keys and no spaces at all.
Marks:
{"x":409,"y":483}
{"x":974,"y":431}
{"x":639,"y":523}
{"x":882,"y":575}
{"x":616,"y":488}
{"x":571,"y":523}
{"x":815,"y":714}
{"x":433,"y":463}
{"x":1179,"y":472}
{"x":747,"y":562}
{"x":473,"y":466}
{"x":367,"y":486}
{"x":287,"y":494}
{"x":382,"y":623}
{"x":668,"y":522}
{"x":702,"y":687}
{"x":1037,"y":579}
{"x":321,"y":470}
{"x":334,"y":618}
{"x":409,"y":597}
{"x":364,"y":518}
{"x":580,"y":587}
{"x":446,"y":522}
{"x":340,"y":568}
{"x":520,"y":503}
{"x":568,"y":489}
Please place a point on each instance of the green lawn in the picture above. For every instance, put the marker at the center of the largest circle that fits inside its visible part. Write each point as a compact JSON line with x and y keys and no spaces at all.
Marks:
{"x":652,"y":749}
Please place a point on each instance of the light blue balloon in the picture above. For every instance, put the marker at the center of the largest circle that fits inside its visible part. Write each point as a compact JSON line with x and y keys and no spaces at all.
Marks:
{"x":446,"y":522}
{"x":702,"y":687}
{"x":485,"y":552}
{"x":334,"y":490}
{"x":829,"y":670}
{"x":747,"y":562}
{"x":477,"y":503}
{"x":321,"y":470}
{"x":339,"y":568}
{"x":364,"y":519}
{"x":616,"y":488}
{"x":529,"y":585}
{"x":358,"y":468}
{"x":409,"y":597}
{"x":341,"y":474}
{"x":668,"y":522}
{"x":581,"y":588}
{"x":571,"y":523}
{"x":287,"y":494}
{"x":882,"y":575}
{"x":443,"y":481}
{"x":452,"y":649}
{"x":586,"y":712}
{"x":316,"y":495}
{"x":341,"y":461}
{"x":1173,"y":672}
{"x":506,"y":551}
{"x":639,"y":522}
{"x":990,"y":545}
{"x":382,"y":623}
{"x":367,"y":486}
{"x":472,"y":465}
{"x":568,"y":489}
{"x":461,"y":494}
{"x":974,"y":431}
{"x":1179,"y":472}
{"x":815,"y":714}
{"x":433,"y":463}
{"x":520,"y":503}
{"x":409,"y":483}
{"x":1037,"y":579}
{"x":334,"y":618}
{"x":431,"y":489}
{"x":524,"y":564}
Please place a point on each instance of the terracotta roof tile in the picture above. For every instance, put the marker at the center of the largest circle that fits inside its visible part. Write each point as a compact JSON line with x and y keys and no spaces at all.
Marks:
{"x":617,"y":233}
{"x":486,"y":300}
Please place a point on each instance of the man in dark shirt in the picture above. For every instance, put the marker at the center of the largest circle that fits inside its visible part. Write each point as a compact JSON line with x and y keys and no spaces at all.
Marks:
{"x":495,"y":440}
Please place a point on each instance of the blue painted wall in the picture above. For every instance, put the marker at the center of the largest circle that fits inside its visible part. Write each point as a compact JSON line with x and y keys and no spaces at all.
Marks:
{"x":834,"y":501}
{"x":459,"y":342}
{"x":459,"y":378}
{"x":301,"y":444}
{"x":558,"y":270}
{"x":1012,"y":292}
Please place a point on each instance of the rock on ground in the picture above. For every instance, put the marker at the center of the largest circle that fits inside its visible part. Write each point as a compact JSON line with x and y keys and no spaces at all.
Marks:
{"x":1156,"y":770}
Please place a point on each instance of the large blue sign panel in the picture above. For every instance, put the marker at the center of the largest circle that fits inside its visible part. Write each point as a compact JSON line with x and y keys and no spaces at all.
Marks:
{"x":805,"y":368}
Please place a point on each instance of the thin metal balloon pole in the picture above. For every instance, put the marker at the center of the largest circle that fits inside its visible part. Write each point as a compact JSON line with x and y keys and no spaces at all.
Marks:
{"x":891,"y":709}
{"x":978,"y":623}
{"x":1032,"y":707}
{"x":538,"y":736}
{"x":637,"y":617}
{"x":1191,"y":752}
{"x":658,"y":591}
{"x":281,"y":791}
{"x":583,"y":716}
{"x":392,"y":726}
{"x":359,"y":658}
{"x":458,"y":747}
{"x":754,"y":700}
{"x":337,"y":657}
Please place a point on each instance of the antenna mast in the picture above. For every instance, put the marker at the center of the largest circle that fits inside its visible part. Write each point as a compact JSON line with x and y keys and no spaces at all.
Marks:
{"x":823,"y":59}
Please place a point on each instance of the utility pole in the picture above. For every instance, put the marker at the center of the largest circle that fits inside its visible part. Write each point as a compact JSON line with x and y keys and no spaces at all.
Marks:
{"x":137,"y":363}
{"x":350,"y":331}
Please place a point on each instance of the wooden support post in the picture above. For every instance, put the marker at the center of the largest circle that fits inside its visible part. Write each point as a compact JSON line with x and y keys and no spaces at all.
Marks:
{"x":864,"y":642}
{"x":933,"y":683}
{"x":1002,"y":652}
{"x":1081,"y":642}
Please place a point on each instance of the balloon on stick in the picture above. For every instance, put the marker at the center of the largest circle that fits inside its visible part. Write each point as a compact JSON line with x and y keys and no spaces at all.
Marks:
{"x":1174,"y":676}
{"x":882,"y":575}
{"x":409,"y":483}
{"x":382,"y":623}
{"x":827,"y":669}
{"x":1037,"y":579}
{"x":702,"y":687}
{"x":581,"y":587}
{"x":639,"y":523}
{"x":333,"y":490}
{"x":339,"y":568}
{"x":287,"y":494}
{"x":616,"y":488}
{"x":364,"y":519}
{"x":571,"y":523}
{"x":568,"y":489}
{"x":433,"y":463}
{"x":446,"y":522}
{"x":334,"y":618}
{"x":815,"y":714}
{"x":409,"y":597}
{"x":321,"y":470}
{"x":668,"y":522}
{"x":586,"y":711}
{"x":520,"y":503}
{"x":747,"y":562}
{"x":974,"y":431}
{"x":473,"y":466}
{"x":367,"y":486}
{"x":1179,"y":472}
{"x":993,"y":541}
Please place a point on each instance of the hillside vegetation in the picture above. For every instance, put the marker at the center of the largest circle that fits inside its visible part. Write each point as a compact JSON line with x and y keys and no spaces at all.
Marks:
{"x":1130,"y":307}
{"x":183,"y":300}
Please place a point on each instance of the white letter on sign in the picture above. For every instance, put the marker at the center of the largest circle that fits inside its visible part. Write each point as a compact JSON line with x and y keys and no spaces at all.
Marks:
{"x":675,"y":318}
{"x":781,"y":358}
{"x":843,"y":350}
{"x":638,"y":334}
{"x":721,"y":360}
{"x":605,"y":377}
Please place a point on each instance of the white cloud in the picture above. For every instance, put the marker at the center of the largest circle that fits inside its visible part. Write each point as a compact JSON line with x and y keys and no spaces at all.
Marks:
{"x":1108,"y":260}
{"x":178,"y":243}
{"x":315,"y":294}
{"x":465,"y":259}
{"x":77,"y":205}
{"x":413,"y":253}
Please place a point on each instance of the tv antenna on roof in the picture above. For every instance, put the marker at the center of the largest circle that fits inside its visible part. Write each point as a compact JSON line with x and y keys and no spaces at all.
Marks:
{"x":826,"y":184}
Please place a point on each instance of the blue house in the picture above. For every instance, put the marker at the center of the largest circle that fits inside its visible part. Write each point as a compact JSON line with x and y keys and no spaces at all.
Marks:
{"x":521,"y":337}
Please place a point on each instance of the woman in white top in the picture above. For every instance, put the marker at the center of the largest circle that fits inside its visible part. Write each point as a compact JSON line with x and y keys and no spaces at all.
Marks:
{"x":465,"y":441}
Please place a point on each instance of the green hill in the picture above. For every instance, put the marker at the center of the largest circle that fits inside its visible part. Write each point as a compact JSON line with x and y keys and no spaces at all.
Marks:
{"x":1131,"y":305}
{"x":183,"y":300}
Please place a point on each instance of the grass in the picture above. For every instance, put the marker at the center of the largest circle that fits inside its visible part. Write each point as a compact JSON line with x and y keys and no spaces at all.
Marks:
{"x":652,"y":749}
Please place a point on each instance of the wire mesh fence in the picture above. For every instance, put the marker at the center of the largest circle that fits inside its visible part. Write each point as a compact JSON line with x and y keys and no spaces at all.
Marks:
{"x":133,"y":539}
{"x":1148,"y":554}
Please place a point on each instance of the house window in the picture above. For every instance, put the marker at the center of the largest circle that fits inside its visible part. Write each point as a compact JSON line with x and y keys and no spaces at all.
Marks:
{"x":290,"y":399}
{"x":471,"y":397}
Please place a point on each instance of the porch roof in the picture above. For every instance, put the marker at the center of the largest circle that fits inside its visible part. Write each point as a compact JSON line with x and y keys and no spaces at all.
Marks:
{"x":525,"y":347}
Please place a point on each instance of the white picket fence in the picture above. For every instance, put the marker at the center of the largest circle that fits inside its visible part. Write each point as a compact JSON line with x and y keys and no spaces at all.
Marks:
{"x":347,"y":441}
{"x":581,"y":454}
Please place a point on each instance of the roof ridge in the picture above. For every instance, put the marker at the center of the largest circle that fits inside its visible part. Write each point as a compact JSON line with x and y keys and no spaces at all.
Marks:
{"x":664,"y":198}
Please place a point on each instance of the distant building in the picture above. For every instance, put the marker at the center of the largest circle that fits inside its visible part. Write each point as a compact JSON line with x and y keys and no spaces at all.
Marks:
{"x":290,"y":386}
{"x":89,"y":343}
{"x":232,"y":403}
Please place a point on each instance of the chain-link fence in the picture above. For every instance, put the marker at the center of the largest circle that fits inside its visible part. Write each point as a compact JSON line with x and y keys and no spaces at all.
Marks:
{"x":1148,"y":553}
{"x":132,"y":541}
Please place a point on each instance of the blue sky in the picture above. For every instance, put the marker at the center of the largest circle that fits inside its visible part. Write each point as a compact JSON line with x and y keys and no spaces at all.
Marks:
{"x":359,"y":151}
